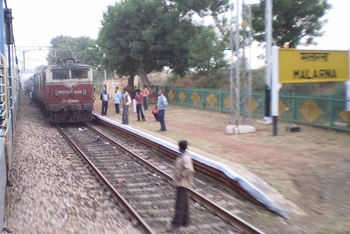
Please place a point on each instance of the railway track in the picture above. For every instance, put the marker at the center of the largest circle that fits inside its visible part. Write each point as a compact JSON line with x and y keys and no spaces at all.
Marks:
{"x":138,"y":177}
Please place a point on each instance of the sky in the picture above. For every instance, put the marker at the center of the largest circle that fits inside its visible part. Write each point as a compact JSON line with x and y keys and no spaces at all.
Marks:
{"x":36,"y":22}
{"x":336,"y":36}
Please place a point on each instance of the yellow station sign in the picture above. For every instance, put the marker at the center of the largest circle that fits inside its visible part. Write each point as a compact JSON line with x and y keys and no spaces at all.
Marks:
{"x":306,"y":66}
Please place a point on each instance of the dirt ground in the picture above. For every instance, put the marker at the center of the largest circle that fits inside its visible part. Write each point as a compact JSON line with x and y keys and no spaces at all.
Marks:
{"x":310,"y":168}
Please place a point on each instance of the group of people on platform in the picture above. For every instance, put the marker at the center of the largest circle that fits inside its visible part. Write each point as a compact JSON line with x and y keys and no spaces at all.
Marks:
{"x":183,"y":170}
{"x":122,"y":101}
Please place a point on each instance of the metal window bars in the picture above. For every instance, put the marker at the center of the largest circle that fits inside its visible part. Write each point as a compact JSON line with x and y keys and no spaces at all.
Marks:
{"x":3,"y":106}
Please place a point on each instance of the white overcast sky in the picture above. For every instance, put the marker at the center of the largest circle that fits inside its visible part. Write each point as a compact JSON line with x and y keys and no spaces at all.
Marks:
{"x":36,"y":22}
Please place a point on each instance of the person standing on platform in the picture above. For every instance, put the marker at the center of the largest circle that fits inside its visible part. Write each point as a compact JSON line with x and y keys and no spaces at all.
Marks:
{"x":133,"y":95}
{"x":183,"y":180}
{"x":117,"y":98}
{"x":145,"y":94}
{"x":139,"y":99}
{"x":104,"y":98}
{"x":161,"y":105}
{"x":126,"y":104}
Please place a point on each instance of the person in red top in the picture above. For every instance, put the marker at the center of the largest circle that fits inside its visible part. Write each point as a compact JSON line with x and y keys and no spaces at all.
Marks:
{"x":139,"y":99}
{"x":145,"y":94}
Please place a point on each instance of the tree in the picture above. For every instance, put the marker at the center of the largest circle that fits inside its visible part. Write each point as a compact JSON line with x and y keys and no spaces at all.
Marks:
{"x":82,"y":49}
{"x":294,"y":21}
{"x":139,"y":37}
{"x":202,"y":8}
{"x":206,"y":59}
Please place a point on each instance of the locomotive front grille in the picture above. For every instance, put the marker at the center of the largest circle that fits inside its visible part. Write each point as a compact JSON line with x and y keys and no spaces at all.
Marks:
{"x":71,"y":108}
{"x":71,"y":117}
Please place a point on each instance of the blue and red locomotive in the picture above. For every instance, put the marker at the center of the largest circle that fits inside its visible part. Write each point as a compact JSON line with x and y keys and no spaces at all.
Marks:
{"x":65,"y":91}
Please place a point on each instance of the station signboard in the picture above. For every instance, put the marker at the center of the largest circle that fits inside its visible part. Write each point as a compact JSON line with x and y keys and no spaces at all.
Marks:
{"x":308,"y":66}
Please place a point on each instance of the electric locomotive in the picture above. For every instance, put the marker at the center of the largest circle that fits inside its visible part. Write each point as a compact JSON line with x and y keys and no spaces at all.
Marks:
{"x":64,"y":91}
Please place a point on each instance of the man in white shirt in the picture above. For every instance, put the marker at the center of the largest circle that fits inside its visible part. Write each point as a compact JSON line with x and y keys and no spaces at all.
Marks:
{"x":104,"y":98}
{"x":117,"y":98}
{"x":126,"y":104}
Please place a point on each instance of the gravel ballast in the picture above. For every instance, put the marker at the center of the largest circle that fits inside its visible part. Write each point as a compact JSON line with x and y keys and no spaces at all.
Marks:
{"x":48,"y":193}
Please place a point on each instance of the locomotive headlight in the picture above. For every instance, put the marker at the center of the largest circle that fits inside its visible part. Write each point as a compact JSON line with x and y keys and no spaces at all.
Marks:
{"x":56,"y":93}
{"x":84,"y":92}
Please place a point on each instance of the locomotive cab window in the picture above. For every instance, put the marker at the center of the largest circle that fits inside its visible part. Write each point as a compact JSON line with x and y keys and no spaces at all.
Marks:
{"x":60,"y":74}
{"x":79,"y":73}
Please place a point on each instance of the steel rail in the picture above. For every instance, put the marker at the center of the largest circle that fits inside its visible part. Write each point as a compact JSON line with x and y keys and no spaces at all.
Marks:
{"x":219,"y":211}
{"x":201,"y":167}
{"x":122,"y":203}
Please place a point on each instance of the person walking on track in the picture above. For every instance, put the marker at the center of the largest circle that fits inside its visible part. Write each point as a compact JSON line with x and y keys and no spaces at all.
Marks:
{"x":183,"y":180}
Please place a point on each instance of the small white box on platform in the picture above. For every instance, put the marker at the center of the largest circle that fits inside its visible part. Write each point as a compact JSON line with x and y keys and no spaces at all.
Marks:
{"x":240,"y":129}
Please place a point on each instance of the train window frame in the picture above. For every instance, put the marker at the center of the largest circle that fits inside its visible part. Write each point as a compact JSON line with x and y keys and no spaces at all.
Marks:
{"x":60,"y":74}
{"x":79,"y":73}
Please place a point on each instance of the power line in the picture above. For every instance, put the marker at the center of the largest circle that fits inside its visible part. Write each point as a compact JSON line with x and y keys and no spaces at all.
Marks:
{"x":37,"y":48}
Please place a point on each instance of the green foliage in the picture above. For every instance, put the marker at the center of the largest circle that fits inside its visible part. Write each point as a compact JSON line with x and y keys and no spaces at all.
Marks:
{"x":172,"y":79}
{"x":139,"y":37}
{"x":201,"y":7}
{"x":91,"y":55}
{"x":220,"y":80}
{"x":82,"y":49}
{"x":320,"y":89}
{"x":258,"y":79}
{"x":144,"y":34}
{"x":206,"y":52}
{"x":294,"y":21}
{"x":340,"y":90}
